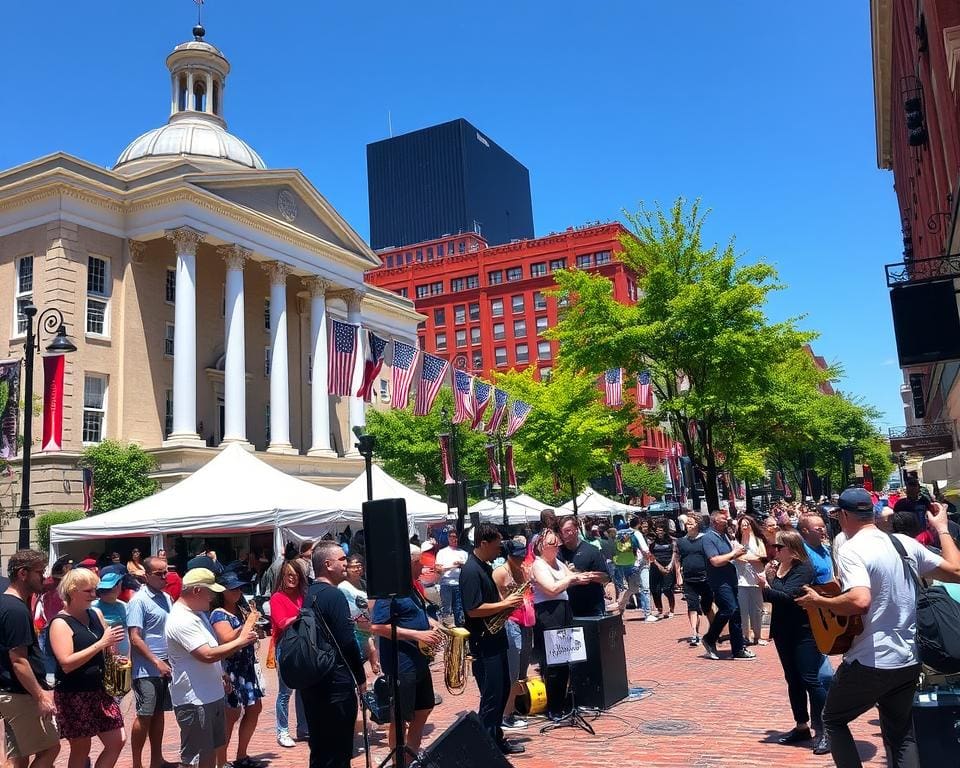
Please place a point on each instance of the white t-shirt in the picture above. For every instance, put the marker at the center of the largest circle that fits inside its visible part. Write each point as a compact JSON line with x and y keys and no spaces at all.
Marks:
{"x":642,"y":549}
{"x":352,"y":594}
{"x":451,"y":558}
{"x":869,"y":560}
{"x":747,"y":572}
{"x":194,"y":682}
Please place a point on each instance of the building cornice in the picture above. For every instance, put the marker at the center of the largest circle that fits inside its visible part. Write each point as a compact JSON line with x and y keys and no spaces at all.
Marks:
{"x":881,"y":39}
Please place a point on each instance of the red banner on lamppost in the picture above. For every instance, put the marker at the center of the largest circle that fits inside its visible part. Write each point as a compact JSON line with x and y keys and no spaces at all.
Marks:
{"x":53,"y":367}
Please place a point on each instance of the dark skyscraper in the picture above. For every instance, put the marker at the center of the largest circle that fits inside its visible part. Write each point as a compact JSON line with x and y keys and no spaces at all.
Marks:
{"x":443,"y":180}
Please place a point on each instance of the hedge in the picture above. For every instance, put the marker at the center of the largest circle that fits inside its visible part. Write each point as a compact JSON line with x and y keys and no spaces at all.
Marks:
{"x":54,"y":518}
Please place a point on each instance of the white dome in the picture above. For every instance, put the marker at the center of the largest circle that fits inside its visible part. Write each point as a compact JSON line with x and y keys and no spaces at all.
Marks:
{"x":191,"y":134}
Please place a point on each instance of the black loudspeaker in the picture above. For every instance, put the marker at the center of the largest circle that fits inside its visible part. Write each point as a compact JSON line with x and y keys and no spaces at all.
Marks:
{"x":387,"y":548}
{"x":926,"y":322}
{"x":600,"y":681}
{"x":936,"y":724}
{"x":465,"y":744}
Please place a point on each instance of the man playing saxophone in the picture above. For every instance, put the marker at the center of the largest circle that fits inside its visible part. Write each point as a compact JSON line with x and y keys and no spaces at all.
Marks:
{"x":513,"y":577}
{"x":414,"y":626}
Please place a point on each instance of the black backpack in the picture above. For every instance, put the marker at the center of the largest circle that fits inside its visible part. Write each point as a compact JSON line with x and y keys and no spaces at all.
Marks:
{"x":307,"y":652}
{"x":938,"y":622}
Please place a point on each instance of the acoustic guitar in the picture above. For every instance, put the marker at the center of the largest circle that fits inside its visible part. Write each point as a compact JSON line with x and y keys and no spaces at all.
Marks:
{"x":833,"y":634}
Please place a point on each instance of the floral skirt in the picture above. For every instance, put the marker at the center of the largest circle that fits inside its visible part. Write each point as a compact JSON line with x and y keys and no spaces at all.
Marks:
{"x":84,"y":714}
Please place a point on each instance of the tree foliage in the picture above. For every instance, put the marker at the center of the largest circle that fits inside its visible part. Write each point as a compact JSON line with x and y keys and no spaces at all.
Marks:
{"x":121,"y":474}
{"x":45,"y":521}
{"x":644,"y":479}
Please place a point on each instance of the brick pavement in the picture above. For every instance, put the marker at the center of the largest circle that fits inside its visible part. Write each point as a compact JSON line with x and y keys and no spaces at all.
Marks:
{"x":698,"y":714}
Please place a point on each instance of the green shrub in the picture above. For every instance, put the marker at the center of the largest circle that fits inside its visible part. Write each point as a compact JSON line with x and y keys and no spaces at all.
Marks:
{"x":54,"y":518}
{"x":121,"y":474}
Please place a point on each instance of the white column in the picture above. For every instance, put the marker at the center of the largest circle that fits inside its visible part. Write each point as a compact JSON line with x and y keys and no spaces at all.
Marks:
{"x":234,"y":368}
{"x":174,"y":88}
{"x":190,"y":103}
{"x":279,"y":367}
{"x":185,"y":241}
{"x":208,"y":99}
{"x":319,"y":396}
{"x":357,"y":417}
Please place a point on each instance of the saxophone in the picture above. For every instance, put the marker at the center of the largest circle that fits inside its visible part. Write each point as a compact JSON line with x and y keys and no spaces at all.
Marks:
{"x":498,"y":621}
{"x":454,"y":645}
{"x":117,"y":674}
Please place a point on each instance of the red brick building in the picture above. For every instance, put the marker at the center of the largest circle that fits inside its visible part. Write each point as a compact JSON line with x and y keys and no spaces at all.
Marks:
{"x":487,"y":307}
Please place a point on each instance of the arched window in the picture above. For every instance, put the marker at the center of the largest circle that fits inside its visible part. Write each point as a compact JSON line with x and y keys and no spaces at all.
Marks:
{"x":182,"y":94}
{"x":199,"y":96}
{"x":216,"y":97}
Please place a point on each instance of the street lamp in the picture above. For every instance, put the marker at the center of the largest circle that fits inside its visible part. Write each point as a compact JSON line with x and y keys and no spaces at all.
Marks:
{"x":50,"y":320}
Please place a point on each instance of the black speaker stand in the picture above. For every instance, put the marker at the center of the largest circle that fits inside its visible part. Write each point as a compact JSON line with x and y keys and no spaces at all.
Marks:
{"x":574,"y":718}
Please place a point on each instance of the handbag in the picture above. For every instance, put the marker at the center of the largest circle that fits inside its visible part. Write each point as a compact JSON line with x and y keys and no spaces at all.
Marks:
{"x":261,"y":678}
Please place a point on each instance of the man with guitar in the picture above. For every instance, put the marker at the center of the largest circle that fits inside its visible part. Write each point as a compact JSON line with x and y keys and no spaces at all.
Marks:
{"x":882,"y":665}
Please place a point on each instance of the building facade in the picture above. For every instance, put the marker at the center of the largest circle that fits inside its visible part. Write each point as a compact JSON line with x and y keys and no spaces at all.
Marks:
{"x":443,"y":180}
{"x":916,"y":69}
{"x":197,"y":285}
{"x":486,"y":307}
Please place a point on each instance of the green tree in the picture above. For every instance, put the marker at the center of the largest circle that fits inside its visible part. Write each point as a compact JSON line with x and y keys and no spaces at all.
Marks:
{"x":121,"y":474}
{"x":48,"y":519}
{"x":644,"y":479}
{"x":408,"y":447}
{"x":698,"y":326}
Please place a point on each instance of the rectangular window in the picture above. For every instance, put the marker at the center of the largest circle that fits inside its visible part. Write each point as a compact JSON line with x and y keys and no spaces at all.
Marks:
{"x":266,"y":362}
{"x":496,"y":308}
{"x":436,"y":288}
{"x":423,"y":291}
{"x":439,"y":316}
{"x":419,"y":255}
{"x":585,"y":261}
{"x":24,"y":292}
{"x":545,"y":374}
{"x":473,"y":281}
{"x":539,"y":269}
{"x":408,"y":257}
{"x":477,"y":361}
{"x":171,"y":286}
{"x":544,"y":351}
{"x":517,"y":303}
{"x":460,"y":314}
{"x":450,"y":248}
{"x":94,"y":407}
{"x":98,"y":294}
{"x":404,"y":293}
{"x":389,"y":261}
{"x":556,"y":264}
{"x":309,"y":369}
{"x":422,"y":342}
{"x":499,"y":331}
{"x":462,"y":247}
{"x":603,"y":257}
{"x":266,"y":315}
{"x":539,"y":300}
{"x":441,"y":341}
{"x":168,"y":336}
{"x":475,"y":334}
{"x":495,"y":277}
{"x":168,"y":414}
{"x":514,"y":274}
{"x":422,"y":325}
{"x":475,"y":311}
{"x":384,"y":391}
{"x":523,"y":353}
{"x":541,"y":325}
{"x":461,"y":338}
{"x":457,"y":284}
{"x":266,"y":424}
{"x":430,"y":253}
{"x":519,"y":329}
{"x":501,"y":355}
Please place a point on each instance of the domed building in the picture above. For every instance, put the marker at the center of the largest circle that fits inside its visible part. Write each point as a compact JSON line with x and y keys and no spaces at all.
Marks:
{"x":197,"y":285}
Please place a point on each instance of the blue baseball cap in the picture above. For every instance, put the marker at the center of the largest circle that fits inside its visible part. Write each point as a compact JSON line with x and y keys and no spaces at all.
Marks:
{"x":109,"y":581}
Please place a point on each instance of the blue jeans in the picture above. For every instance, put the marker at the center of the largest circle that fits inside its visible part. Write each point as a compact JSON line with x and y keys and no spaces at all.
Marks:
{"x":283,"y":707}
{"x":451,"y":604}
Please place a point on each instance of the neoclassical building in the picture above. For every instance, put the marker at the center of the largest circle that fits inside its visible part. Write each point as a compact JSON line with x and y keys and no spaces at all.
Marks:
{"x":197,"y":285}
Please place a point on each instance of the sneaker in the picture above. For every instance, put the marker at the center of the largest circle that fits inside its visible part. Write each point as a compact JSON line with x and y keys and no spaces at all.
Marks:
{"x":513,"y":723}
{"x":745,"y":654}
{"x":284,"y":740}
{"x":669,"y":615}
{"x":694,"y":641}
{"x":509,"y":748}
{"x":711,"y":649}
{"x":652,"y":618}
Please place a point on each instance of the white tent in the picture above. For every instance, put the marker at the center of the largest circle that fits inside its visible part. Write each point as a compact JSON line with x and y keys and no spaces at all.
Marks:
{"x":592,"y":503}
{"x":235,"y":492}
{"x":520,"y":509}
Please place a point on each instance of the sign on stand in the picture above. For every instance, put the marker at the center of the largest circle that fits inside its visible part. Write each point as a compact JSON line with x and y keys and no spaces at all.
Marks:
{"x":564,"y":646}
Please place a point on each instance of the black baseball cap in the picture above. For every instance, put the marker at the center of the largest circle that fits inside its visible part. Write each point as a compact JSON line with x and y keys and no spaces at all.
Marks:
{"x":856,"y":501}
{"x":514,"y":548}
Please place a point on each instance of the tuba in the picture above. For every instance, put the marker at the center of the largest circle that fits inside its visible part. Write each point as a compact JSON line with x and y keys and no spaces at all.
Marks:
{"x":454,"y":646}
{"x":117,"y":674}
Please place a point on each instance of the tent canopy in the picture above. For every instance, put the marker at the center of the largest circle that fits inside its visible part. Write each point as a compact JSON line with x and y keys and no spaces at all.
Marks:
{"x":592,"y":503}
{"x":520,"y":509}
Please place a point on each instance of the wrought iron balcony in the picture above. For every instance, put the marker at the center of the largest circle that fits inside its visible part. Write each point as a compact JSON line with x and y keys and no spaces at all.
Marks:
{"x":923,"y":270}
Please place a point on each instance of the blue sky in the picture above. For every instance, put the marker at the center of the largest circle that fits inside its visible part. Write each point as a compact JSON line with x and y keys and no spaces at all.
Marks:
{"x":762,"y":109}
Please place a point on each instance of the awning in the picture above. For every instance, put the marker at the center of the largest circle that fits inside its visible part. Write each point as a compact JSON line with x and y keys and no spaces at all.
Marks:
{"x":940,"y":469}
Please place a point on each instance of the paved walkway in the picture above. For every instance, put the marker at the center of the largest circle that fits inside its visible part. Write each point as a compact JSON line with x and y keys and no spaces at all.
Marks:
{"x":697,"y":714}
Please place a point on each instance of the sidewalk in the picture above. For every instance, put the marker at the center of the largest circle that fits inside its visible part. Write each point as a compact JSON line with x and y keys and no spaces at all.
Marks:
{"x":697,"y":713}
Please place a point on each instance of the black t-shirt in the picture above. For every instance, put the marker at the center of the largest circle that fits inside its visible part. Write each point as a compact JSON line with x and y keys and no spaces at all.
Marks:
{"x":585,"y":599}
{"x":476,"y":588}
{"x":332,"y":606}
{"x":662,"y":551}
{"x":17,"y":631}
{"x":693,"y":563}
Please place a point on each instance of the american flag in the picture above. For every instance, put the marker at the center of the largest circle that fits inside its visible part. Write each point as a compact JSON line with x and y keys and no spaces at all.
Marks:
{"x":613,"y":386}
{"x":481,"y":398}
{"x":343,"y":357}
{"x":618,"y":477}
{"x":445,"y":460}
{"x":372,"y":363}
{"x":401,"y":374}
{"x":511,"y":469}
{"x":644,"y":390}
{"x":492,"y":464}
{"x":88,"y":489}
{"x":499,"y":406}
{"x":431,"y":379}
{"x":519,"y":411}
{"x":462,"y":397}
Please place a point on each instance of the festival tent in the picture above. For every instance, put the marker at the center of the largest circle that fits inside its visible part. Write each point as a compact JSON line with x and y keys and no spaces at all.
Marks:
{"x":592,"y":503}
{"x":233,"y":493}
{"x":520,"y":509}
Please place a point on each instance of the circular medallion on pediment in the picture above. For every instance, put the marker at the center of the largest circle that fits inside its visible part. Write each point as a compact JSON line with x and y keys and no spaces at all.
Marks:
{"x":287,"y":205}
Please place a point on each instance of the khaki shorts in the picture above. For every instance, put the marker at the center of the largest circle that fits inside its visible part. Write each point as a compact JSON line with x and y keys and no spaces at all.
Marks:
{"x":26,"y":733}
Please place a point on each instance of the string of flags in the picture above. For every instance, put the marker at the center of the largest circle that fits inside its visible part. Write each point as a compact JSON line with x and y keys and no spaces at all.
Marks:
{"x":472,"y":397}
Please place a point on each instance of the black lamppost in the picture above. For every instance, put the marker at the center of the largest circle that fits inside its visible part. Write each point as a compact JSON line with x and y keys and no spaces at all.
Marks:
{"x":51,"y":320}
